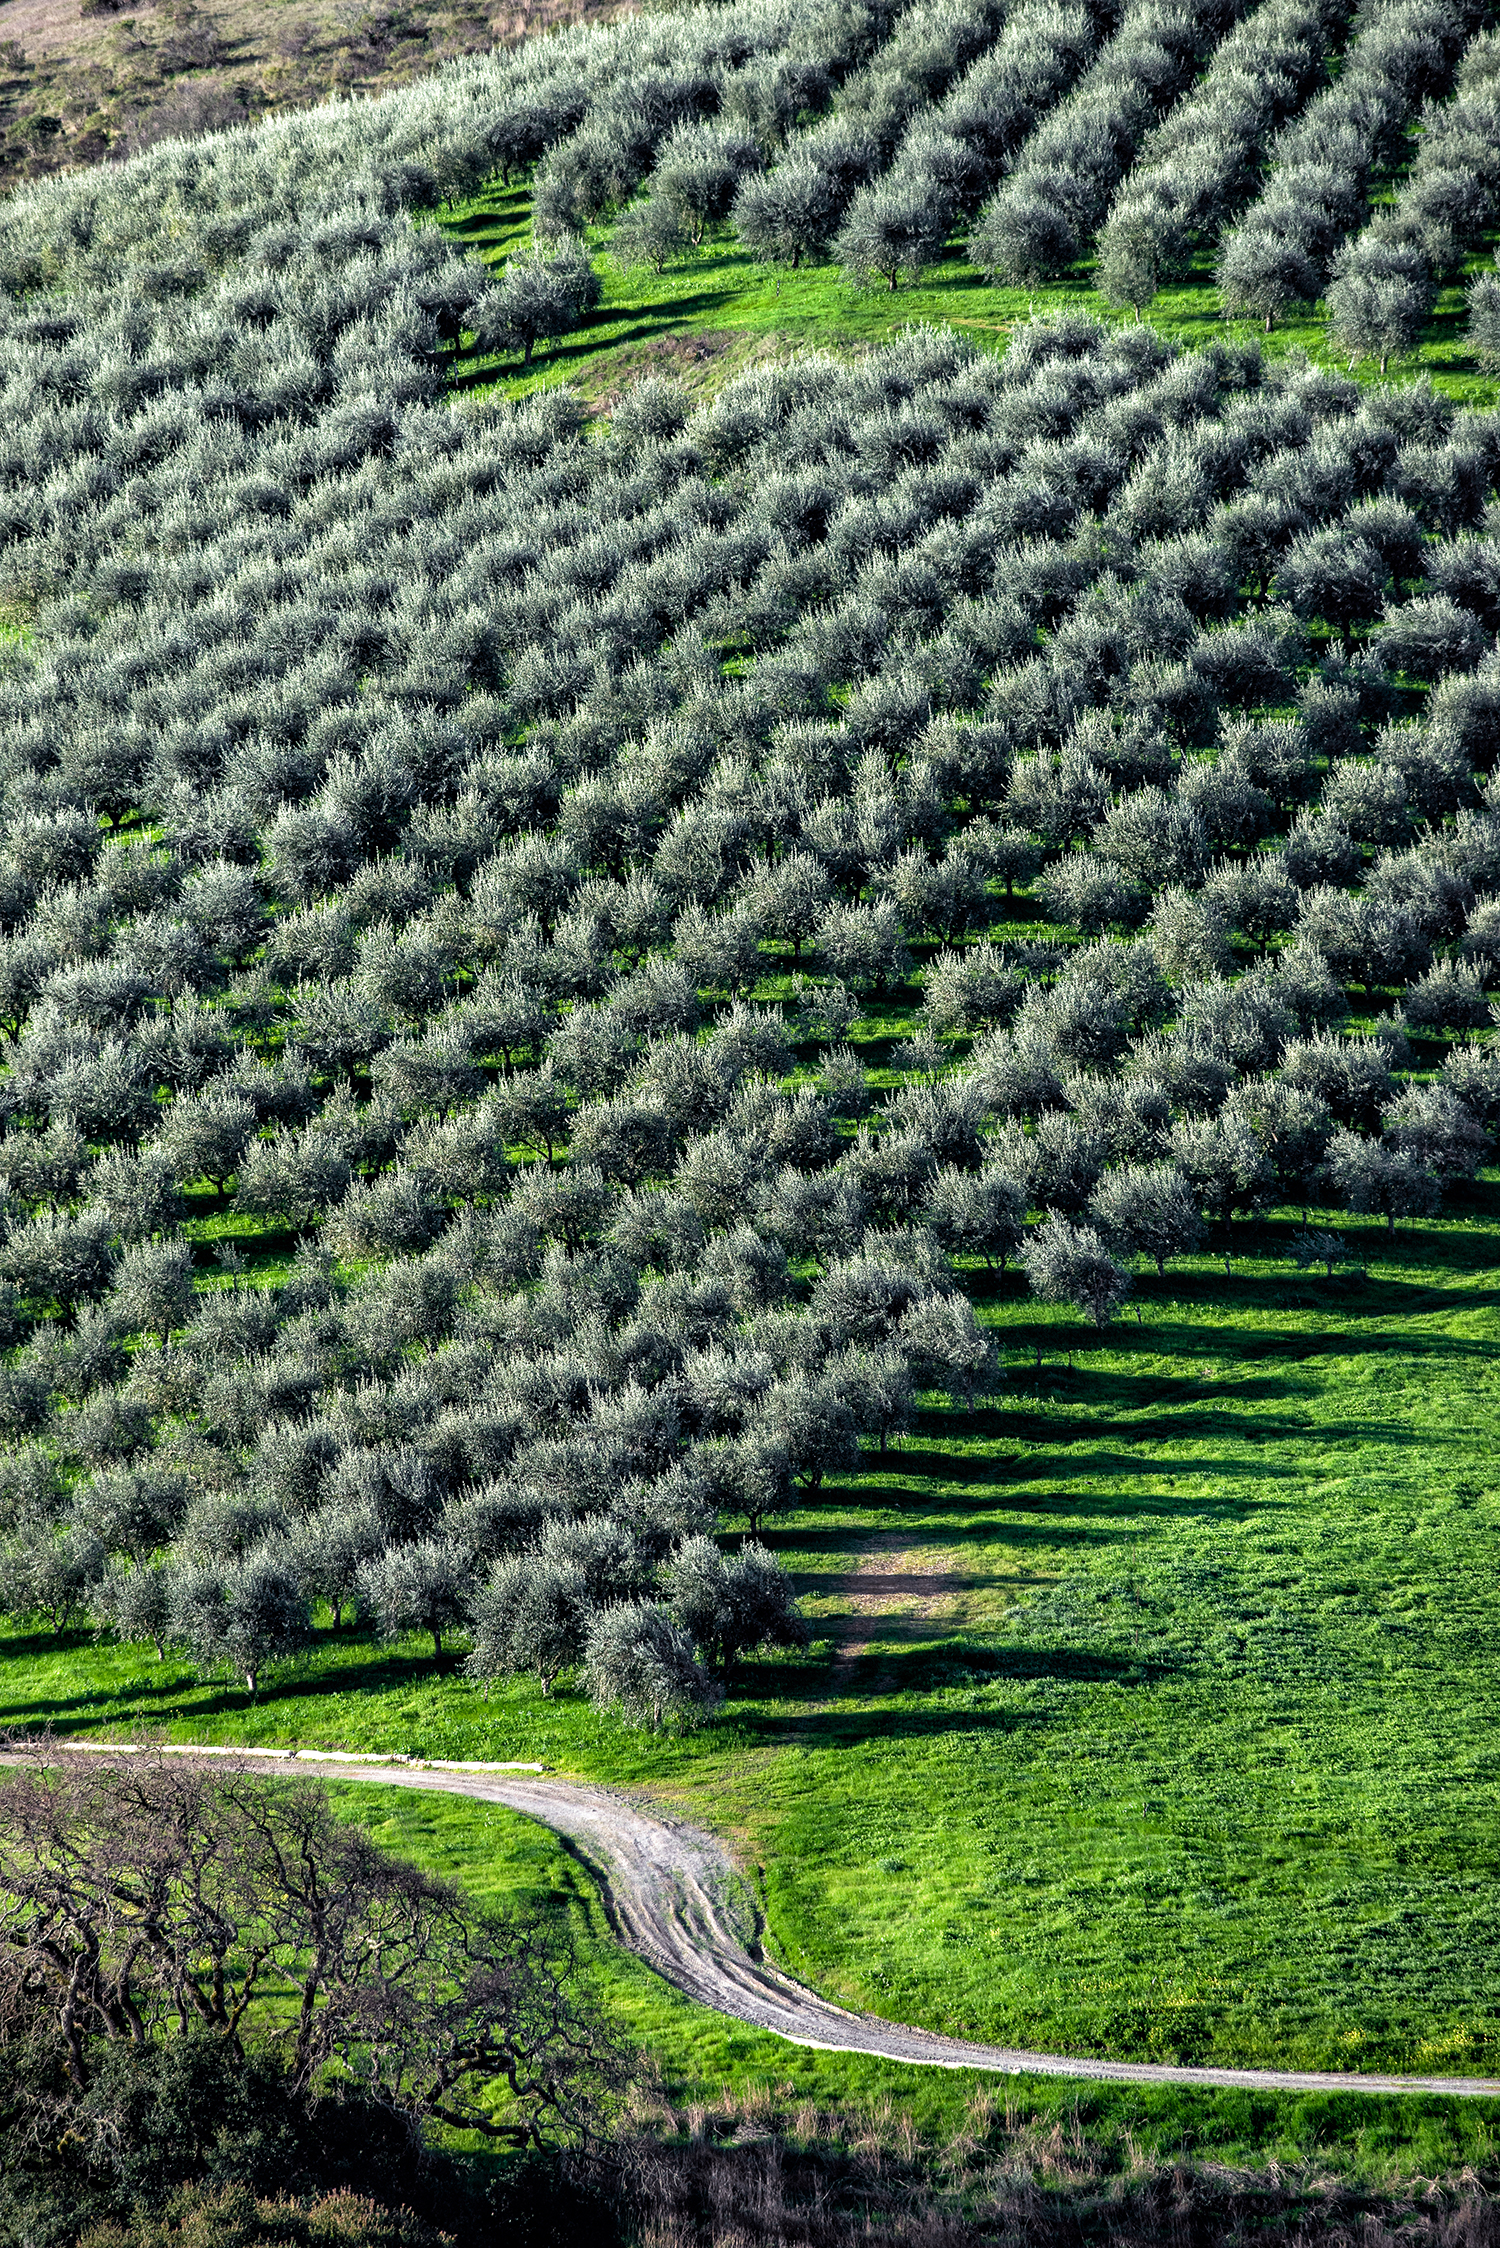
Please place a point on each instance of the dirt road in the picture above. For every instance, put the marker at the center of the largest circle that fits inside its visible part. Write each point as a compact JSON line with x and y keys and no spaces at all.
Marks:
{"x":675,"y":1899}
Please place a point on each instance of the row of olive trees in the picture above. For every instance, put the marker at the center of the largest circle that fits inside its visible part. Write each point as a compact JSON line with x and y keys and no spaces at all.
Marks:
{"x":316,"y":841}
{"x":165,"y":220}
{"x":1057,"y":191}
{"x":756,"y":93}
{"x":836,"y":191}
{"x":1317,"y":183}
{"x":1202,"y":162}
{"x":652,"y":1643}
{"x":1384,"y":281}
{"x":879,"y":182}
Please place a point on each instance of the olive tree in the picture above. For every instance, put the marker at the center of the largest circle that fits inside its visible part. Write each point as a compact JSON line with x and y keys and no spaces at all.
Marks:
{"x":785,"y":216}
{"x":1291,"y":1124}
{"x":1148,"y":1210}
{"x":1432,"y":1126}
{"x":698,"y":168}
{"x":750,"y":1475}
{"x":895,"y":227}
{"x":330,"y":1548}
{"x":1225,"y":1162}
{"x":242,"y":1616}
{"x":863,"y":945}
{"x":539,"y":296}
{"x":731,"y":1603}
{"x":1379,"y":295}
{"x":294,"y":1176}
{"x":947,"y":1349}
{"x":1484,"y":318}
{"x":640,"y":1661}
{"x":1144,"y":243}
{"x":152,"y":1287}
{"x":1319,"y":1248}
{"x":1372,"y":1180}
{"x":49,"y":1572}
{"x":977,"y":1213}
{"x":422,"y":1587}
{"x":133,"y":1602}
{"x":650,"y":233}
{"x":1263,"y":273}
{"x":133,"y":1510}
{"x":533,"y":1615}
{"x":205,"y":1136}
{"x":1071,"y":1264}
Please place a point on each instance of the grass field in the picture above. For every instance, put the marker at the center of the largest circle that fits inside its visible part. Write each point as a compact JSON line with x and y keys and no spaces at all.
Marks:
{"x":715,"y":310}
{"x":703,"y":2058}
{"x":1150,"y":1712}
{"x":1153,"y":1710}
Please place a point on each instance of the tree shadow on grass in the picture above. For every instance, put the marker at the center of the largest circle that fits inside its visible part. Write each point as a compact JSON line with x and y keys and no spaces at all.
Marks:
{"x":925,"y":1666}
{"x":895,"y":1674}
{"x":1393,"y":1296}
{"x":611,"y":326}
{"x":1047,"y":1533}
{"x":840,"y":1723}
{"x":1167,"y":1505}
{"x":1043,"y":1444}
{"x":1046,"y":1458}
{"x":41,"y":1645}
{"x":1176,"y":1411}
{"x":505,"y":204}
{"x":67,"y":1713}
{"x":311,"y":1679}
{"x":982,"y":1513}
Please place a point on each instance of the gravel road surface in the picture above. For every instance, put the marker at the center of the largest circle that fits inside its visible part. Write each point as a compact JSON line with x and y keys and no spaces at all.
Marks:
{"x":674,"y":1897}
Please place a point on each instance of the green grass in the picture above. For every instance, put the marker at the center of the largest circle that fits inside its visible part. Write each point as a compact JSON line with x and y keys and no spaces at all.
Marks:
{"x":1153,"y":1711}
{"x":1150,"y":1712}
{"x":715,"y":311}
{"x":512,"y":1864}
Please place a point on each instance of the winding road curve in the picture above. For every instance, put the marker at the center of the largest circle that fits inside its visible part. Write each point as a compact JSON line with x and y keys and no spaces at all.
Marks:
{"x":675,"y":1899}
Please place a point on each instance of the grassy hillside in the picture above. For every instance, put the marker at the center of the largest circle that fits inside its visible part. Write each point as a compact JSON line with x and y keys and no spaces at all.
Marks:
{"x":373,"y":725}
{"x":1060,"y":2131}
{"x":711,"y":312}
{"x":1150,"y":1713}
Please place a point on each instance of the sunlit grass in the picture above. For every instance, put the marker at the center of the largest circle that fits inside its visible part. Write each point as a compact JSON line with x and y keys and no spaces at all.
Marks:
{"x":715,"y":310}
{"x":511,"y":1864}
{"x":1150,"y":1711}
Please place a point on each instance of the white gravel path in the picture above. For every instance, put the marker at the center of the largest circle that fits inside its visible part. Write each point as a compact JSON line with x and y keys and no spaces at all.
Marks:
{"x":674,"y":1897}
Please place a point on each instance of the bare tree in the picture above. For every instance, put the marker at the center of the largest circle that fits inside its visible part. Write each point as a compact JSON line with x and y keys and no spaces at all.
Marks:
{"x":145,"y":1900}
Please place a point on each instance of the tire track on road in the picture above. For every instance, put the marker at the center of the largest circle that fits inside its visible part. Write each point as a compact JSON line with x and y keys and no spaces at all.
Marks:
{"x":675,"y":1898}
